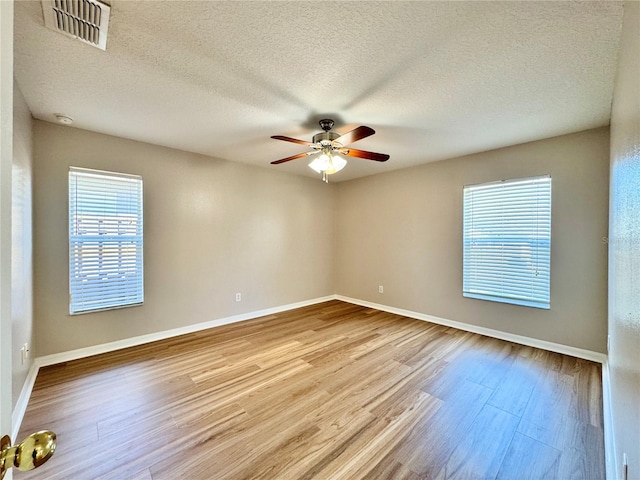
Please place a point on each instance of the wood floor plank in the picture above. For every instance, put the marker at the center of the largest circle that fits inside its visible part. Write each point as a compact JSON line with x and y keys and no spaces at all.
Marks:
{"x":428,"y":448}
{"x":389,"y":468}
{"x":482,"y":449}
{"x":326,"y":392}
{"x":364,"y":451}
{"x":513,"y":392}
{"x":582,"y":445}
{"x":528,"y":459}
{"x":142,"y":475}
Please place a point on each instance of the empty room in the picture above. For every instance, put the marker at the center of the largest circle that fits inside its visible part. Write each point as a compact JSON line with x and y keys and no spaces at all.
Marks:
{"x":319,"y":240}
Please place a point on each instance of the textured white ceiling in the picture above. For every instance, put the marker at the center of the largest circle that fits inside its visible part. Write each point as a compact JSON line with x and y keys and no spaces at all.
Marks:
{"x":434,"y":79}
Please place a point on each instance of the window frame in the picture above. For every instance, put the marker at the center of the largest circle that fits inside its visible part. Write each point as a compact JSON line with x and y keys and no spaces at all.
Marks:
{"x":129,"y":289}
{"x":528,"y":254}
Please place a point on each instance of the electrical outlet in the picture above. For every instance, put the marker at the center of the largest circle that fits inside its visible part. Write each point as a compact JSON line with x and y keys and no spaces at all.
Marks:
{"x":238,"y":297}
{"x":25,"y":352}
{"x":625,"y":467}
{"x":380,"y":289}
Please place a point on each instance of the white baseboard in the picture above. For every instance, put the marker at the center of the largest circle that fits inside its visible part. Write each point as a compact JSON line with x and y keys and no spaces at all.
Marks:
{"x":607,"y":418}
{"x":153,"y":337}
{"x":23,"y":399}
{"x":609,"y":438}
{"x":25,"y":394}
{"x":27,"y":388}
{"x":489,"y":332}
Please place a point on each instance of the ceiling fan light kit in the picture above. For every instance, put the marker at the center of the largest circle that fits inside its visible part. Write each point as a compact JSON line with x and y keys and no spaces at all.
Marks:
{"x":328,"y":164}
{"x":329,"y":144}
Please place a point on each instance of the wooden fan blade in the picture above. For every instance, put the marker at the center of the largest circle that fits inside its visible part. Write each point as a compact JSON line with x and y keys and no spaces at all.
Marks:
{"x":352,"y":152}
{"x":288,"y":159}
{"x":292,"y":140}
{"x":355,"y":135}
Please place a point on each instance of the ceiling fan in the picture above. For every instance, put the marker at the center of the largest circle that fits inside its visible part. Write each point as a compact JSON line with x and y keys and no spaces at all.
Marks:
{"x":330,"y":145}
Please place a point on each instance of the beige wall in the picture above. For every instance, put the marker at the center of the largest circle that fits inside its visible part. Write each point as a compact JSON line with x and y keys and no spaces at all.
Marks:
{"x":403,"y":230}
{"x":624,"y":254}
{"x":212,"y":228}
{"x":21,"y":240}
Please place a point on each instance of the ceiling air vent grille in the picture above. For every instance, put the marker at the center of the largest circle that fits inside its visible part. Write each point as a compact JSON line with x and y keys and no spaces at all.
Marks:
{"x":86,"y":20}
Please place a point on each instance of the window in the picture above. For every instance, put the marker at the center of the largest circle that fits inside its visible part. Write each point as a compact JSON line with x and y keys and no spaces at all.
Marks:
{"x":507,"y":241}
{"x":105,"y":240}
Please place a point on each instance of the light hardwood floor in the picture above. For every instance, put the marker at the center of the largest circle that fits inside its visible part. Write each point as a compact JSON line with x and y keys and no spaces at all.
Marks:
{"x":330,"y":391}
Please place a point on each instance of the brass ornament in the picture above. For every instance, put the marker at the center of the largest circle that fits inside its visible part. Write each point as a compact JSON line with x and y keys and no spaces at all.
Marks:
{"x":32,"y":452}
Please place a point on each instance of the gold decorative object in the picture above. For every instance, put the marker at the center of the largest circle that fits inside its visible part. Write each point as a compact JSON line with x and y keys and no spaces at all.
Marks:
{"x":32,"y":452}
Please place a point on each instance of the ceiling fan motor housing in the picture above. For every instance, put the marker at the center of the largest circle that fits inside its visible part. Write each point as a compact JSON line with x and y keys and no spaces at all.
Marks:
{"x":325,"y":138}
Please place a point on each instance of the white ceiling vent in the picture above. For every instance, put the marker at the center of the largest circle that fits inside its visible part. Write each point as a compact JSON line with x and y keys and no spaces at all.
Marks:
{"x":86,"y":20}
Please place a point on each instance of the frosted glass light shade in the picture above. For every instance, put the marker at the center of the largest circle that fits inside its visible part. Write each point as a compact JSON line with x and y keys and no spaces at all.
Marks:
{"x":336,"y":163}
{"x":319,"y":164}
{"x":328,"y":163}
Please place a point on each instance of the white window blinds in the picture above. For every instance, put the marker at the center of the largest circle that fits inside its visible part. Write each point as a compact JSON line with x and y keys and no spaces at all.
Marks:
{"x":507,"y":241}
{"x":105,"y":240}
